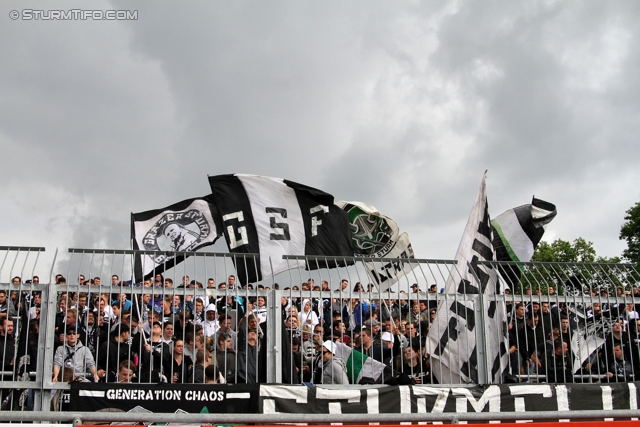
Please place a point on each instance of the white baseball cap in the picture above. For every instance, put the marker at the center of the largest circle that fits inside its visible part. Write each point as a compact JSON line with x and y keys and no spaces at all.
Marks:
{"x":330,"y":345}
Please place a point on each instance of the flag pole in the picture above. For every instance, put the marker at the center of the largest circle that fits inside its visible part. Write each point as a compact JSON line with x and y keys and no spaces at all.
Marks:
{"x":133,"y":278}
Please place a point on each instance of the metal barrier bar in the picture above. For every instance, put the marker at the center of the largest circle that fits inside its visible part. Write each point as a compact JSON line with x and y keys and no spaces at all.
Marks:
{"x":84,"y":417}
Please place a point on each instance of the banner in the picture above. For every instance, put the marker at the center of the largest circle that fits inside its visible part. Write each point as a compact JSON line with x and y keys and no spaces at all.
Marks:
{"x":164,"y":398}
{"x":434,"y":399}
{"x":378,"y":236}
{"x":274,"y":217}
{"x":517,"y":232}
{"x":182,"y":227}
{"x":452,"y":338}
{"x":301,"y":399}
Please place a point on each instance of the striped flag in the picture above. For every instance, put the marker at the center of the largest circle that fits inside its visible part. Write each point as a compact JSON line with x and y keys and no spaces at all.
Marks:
{"x":517,"y":232}
{"x":360,"y":366}
{"x":273,"y":217}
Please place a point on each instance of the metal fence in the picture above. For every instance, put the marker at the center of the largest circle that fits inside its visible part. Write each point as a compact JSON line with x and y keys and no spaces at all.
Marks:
{"x":86,"y":319}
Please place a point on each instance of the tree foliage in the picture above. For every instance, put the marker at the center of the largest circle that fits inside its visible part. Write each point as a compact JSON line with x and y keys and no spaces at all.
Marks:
{"x":582,"y":251}
{"x":578,"y":251}
{"x":563,"y":251}
{"x":630,"y":232}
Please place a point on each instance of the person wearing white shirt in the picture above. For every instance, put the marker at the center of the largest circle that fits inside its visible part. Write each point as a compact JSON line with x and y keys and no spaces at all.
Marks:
{"x":307,"y":316}
{"x":210,"y":324}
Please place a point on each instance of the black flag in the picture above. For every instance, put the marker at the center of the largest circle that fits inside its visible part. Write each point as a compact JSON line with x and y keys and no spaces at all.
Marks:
{"x":182,"y":227}
{"x":273,"y":217}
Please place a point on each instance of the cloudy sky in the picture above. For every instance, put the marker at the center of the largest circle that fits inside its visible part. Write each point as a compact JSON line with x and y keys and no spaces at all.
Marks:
{"x":402,"y":105}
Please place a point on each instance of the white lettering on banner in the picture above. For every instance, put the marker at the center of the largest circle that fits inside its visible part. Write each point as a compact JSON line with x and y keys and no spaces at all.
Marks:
{"x":297,"y":393}
{"x":405,"y":399}
{"x":519,"y":402}
{"x":441,"y":399}
{"x":335,"y":408}
{"x":491,"y":396}
{"x":562,"y":395}
{"x":168,"y":394}
{"x":233,"y":242}
{"x":315,"y":222}
{"x":607,"y":400}
{"x":204,"y":395}
{"x":633,"y":397}
{"x":136,"y":394}
{"x":351,"y":396}
{"x":373,"y":401}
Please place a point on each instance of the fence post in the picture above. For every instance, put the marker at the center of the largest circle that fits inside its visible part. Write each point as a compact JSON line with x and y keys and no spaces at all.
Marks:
{"x":45,"y":359}
{"x":38,"y":403}
{"x":481,"y":334}
{"x":274,"y":341}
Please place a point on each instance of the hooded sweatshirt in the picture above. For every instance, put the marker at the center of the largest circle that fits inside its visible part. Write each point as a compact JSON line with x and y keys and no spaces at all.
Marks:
{"x":210,"y":326}
{"x":308,"y":318}
{"x":77,"y":357}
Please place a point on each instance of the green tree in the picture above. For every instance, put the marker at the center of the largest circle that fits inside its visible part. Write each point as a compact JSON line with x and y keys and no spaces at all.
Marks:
{"x":563,"y":251}
{"x":630,"y":231}
{"x":579,"y":251}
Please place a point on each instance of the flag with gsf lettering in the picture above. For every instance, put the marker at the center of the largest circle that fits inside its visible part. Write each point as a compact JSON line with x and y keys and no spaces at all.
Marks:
{"x":273,"y":217}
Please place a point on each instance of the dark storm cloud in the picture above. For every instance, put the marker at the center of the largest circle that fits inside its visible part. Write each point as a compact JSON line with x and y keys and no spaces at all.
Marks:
{"x":554,"y":127}
{"x":256,"y":78}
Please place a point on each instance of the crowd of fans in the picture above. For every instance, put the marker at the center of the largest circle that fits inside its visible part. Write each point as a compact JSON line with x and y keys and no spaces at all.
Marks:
{"x":600,"y":333}
{"x":171,"y":334}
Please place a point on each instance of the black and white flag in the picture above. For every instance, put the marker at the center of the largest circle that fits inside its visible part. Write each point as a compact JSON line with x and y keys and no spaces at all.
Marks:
{"x":452,"y":338}
{"x":517,"y":232}
{"x":274,"y":217}
{"x":377,"y":236}
{"x":589,"y":333}
{"x":182,"y":227}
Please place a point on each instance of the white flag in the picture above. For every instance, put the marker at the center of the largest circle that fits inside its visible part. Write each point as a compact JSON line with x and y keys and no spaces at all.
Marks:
{"x":452,"y":338}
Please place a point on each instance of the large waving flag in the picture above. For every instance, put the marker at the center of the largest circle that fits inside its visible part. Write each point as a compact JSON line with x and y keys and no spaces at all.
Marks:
{"x":452,"y":338}
{"x":182,"y":227}
{"x":378,"y":236}
{"x":517,"y":232}
{"x":274,"y":217}
{"x":512,"y":236}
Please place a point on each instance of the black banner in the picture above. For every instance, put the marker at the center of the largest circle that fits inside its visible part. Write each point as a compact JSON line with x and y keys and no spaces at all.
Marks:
{"x":434,"y":399}
{"x":165,"y":398}
{"x":273,"y":399}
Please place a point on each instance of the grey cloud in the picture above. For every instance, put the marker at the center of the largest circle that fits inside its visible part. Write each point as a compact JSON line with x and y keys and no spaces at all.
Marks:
{"x":401,"y":105}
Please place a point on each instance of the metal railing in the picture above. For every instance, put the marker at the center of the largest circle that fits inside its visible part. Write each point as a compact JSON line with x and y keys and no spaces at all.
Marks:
{"x":369,"y":308}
